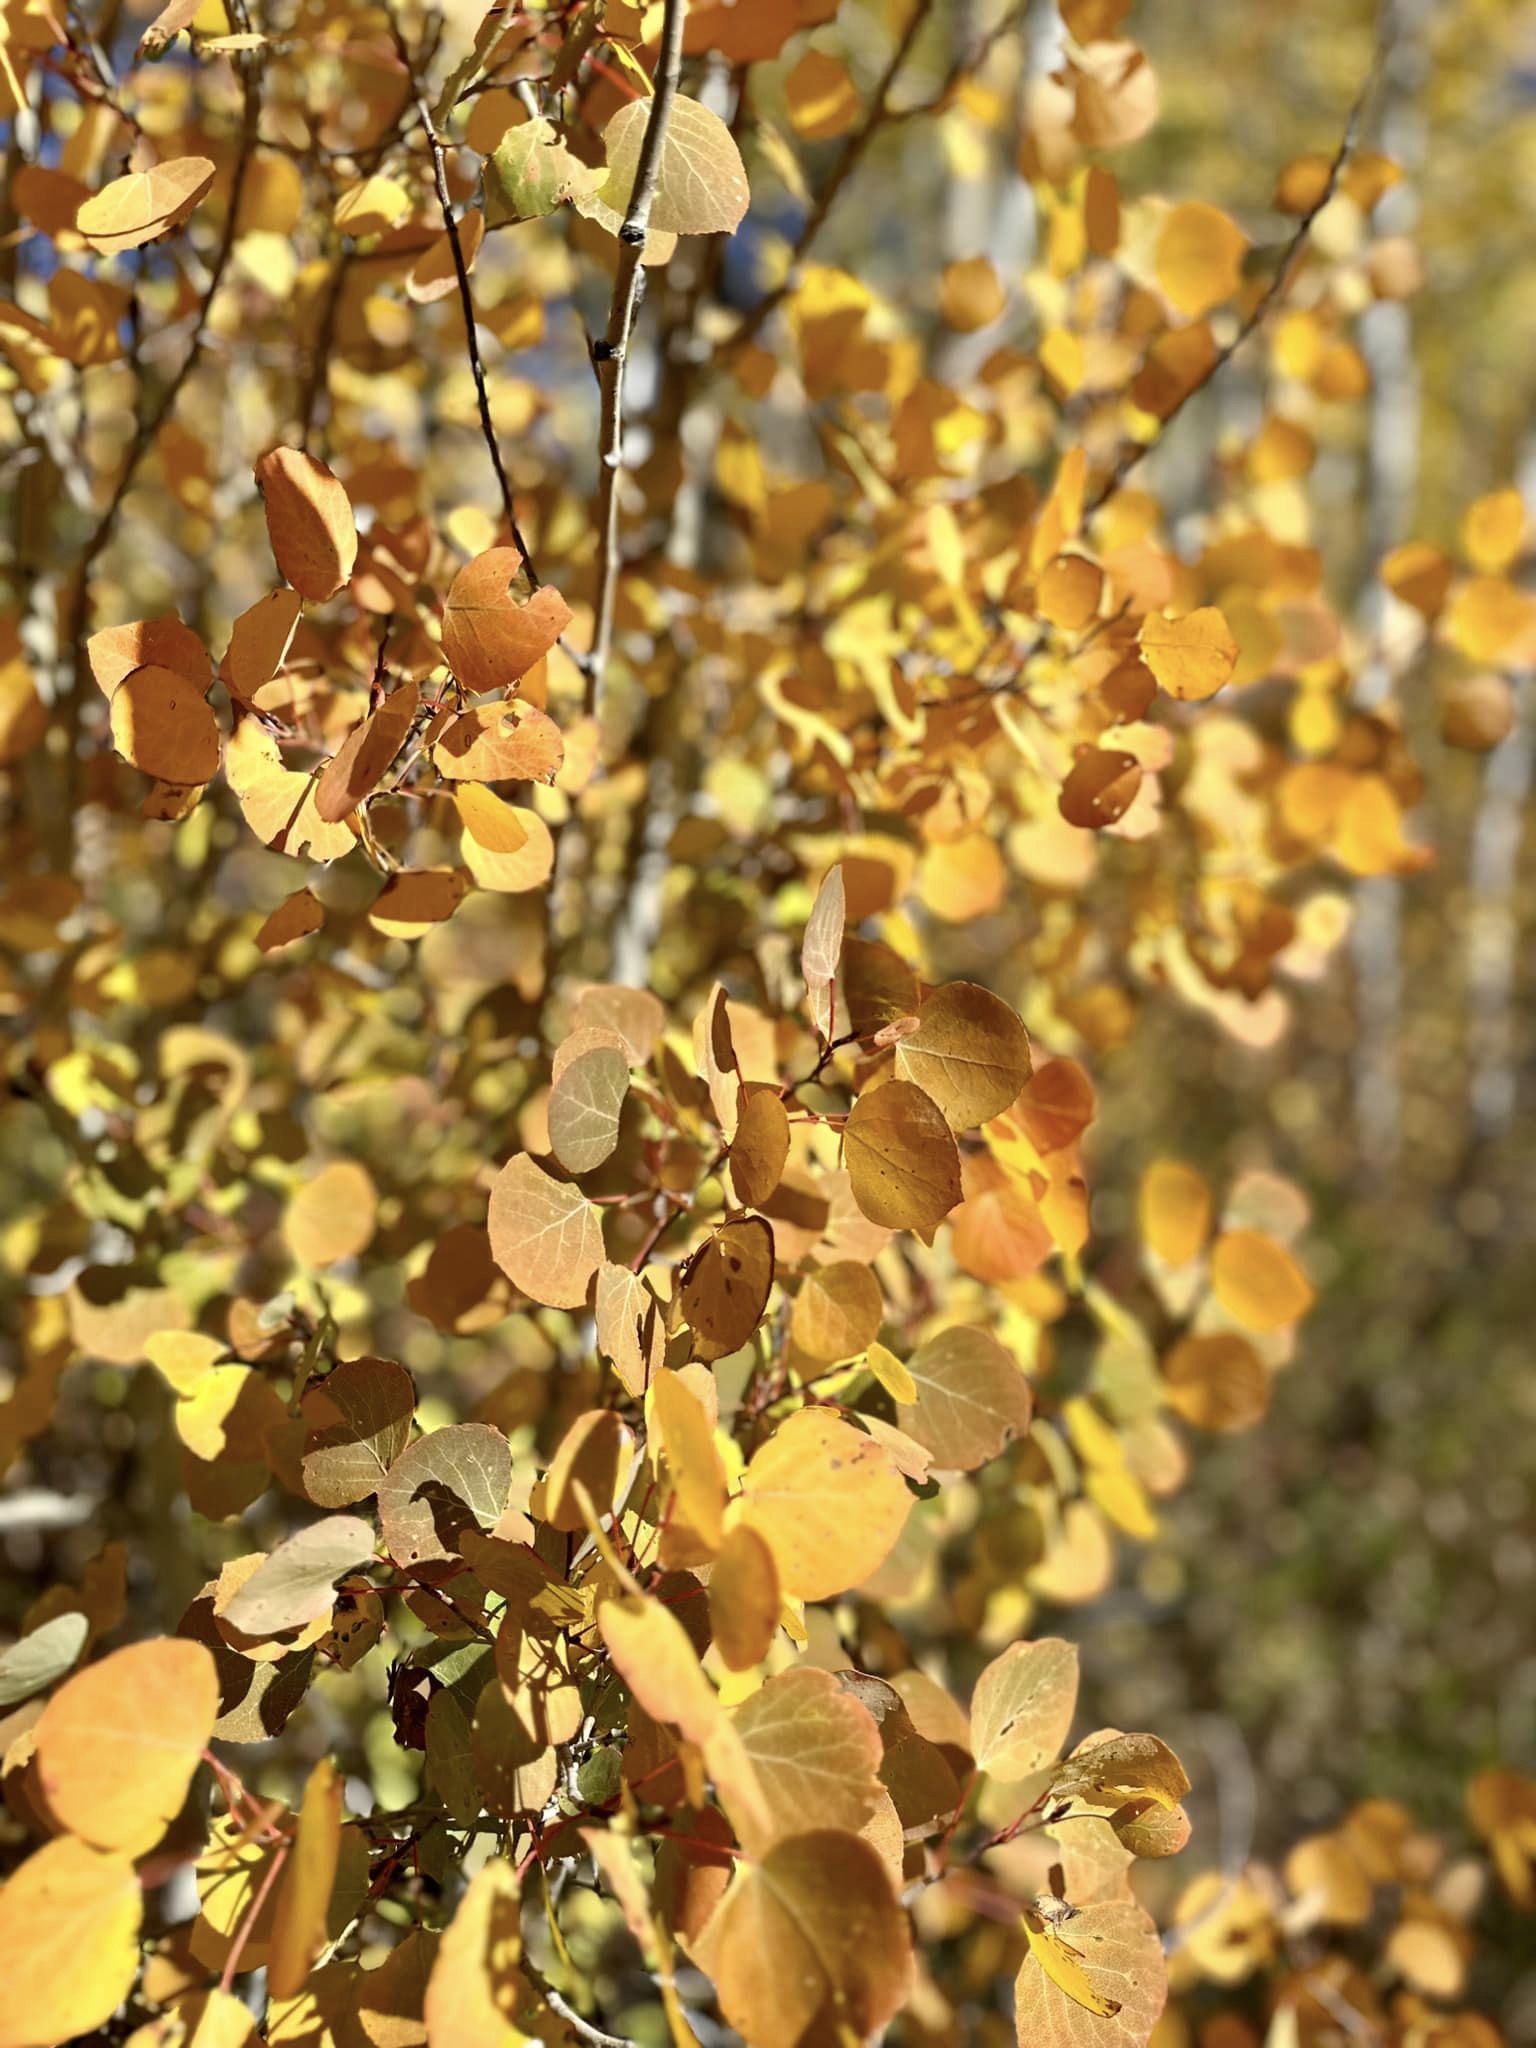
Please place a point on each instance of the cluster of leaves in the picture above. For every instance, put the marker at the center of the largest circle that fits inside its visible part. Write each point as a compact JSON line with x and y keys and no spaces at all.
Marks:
{"x":611,"y":1492}
{"x":1366,"y":1933}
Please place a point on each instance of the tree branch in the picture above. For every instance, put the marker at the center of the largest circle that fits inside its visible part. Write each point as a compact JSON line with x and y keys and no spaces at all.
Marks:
{"x":466,"y":303}
{"x":609,"y":354}
{"x":848,"y":161}
{"x":146,"y":430}
{"x":1135,"y":454}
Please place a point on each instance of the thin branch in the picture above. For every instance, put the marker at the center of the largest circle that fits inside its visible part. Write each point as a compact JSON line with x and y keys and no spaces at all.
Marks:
{"x":467,"y":307}
{"x":574,"y":2020}
{"x":1134,"y":455}
{"x":150,"y":420}
{"x":848,"y":160}
{"x":609,"y":354}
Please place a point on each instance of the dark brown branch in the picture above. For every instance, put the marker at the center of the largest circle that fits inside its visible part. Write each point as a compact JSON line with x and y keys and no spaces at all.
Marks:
{"x":1133,"y":456}
{"x":848,"y":160}
{"x":467,"y":306}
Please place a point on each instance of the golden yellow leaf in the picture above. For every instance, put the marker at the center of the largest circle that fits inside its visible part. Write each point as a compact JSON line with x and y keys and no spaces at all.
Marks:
{"x":1174,"y":1211}
{"x":118,"y":1743}
{"x":724,"y":1287}
{"x":309,"y":521}
{"x":1199,"y":257}
{"x":135,"y":209}
{"x":1022,"y":1708}
{"x":490,"y":638}
{"x":902,"y":1160}
{"x":828,"y":1502}
{"x":810,"y":1944}
{"x":970,"y":1053}
{"x":744,"y":1598}
{"x":1258,"y":1282}
{"x":164,"y":725}
{"x":545,"y":1235}
{"x":1192,"y":657}
{"x":69,"y":1942}
{"x":304,"y":1891}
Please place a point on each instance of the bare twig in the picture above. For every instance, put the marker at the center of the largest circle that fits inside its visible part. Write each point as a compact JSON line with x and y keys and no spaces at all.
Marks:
{"x":146,"y":430}
{"x":848,"y":160}
{"x":609,"y":354}
{"x":1136,"y":453}
{"x":574,"y":2020}
{"x":466,"y":306}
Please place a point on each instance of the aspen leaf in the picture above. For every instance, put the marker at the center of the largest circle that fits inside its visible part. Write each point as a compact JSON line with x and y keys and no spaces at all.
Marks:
{"x":1117,"y":1952}
{"x":475,"y":1996}
{"x":1258,"y":1282}
{"x":969,"y":1052}
{"x":117,"y":1745}
{"x":1063,"y":1965}
{"x":815,"y":1750}
{"x":499,"y":743}
{"x":41,"y":1657}
{"x":1420,"y":575}
{"x":971,"y":1398}
{"x":822,"y":948}
{"x":259,"y":642}
{"x":1068,"y":592}
{"x":135,"y":209}
{"x":358,"y":1421}
{"x":971,"y":294}
{"x":809,"y":1944}
{"x":892,"y":1374}
{"x":1217,"y":1381}
{"x":1100,"y":788}
{"x":165,"y":642}
{"x":1107,"y":1771}
{"x":744,"y":1598}
{"x":724,"y":1287}
{"x":545,"y":1235}
{"x":492,"y":823}
{"x":164,"y":725}
{"x":697,"y":1471}
{"x":902,"y":1160}
{"x":332,"y":1216}
{"x":309,"y":521}
{"x":1199,"y":258}
{"x":452,"y":1481}
{"x":1174,"y":1211}
{"x":1022,"y":1708}
{"x":304,"y":1892}
{"x":1192,"y":657}
{"x":652,"y":1654}
{"x":1493,"y":531}
{"x":760,"y":1148}
{"x":701,"y":184}
{"x":596,"y":1452}
{"x":532,"y":172}
{"x":828,"y":1502}
{"x":629,"y":1332}
{"x":69,"y":1942}
{"x":295,"y":1584}
{"x":491,"y":638}
{"x":371,"y":207}
{"x":585,"y":1105}
{"x":527,"y":864}
{"x":364,"y":758}
{"x":837,"y":1312}
{"x":821,"y":99}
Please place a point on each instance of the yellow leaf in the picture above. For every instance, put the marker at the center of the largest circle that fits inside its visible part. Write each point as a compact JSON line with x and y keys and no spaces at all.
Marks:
{"x":69,"y":1942}
{"x":118,"y":1743}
